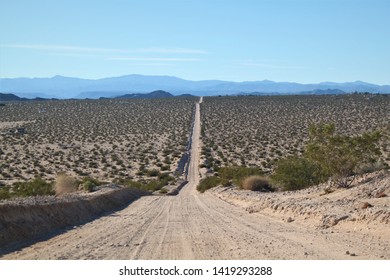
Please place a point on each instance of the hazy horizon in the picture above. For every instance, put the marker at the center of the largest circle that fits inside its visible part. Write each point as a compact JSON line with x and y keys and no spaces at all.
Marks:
{"x":192,"y":80}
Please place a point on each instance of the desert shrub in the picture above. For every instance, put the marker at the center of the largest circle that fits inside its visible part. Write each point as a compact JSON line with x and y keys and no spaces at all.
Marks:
{"x":165,"y":167}
{"x":89,"y":184}
{"x":165,"y":176}
{"x":256,"y":183}
{"x":294,"y":173}
{"x":4,"y":193}
{"x":153,"y":172}
{"x":328,"y":156}
{"x":35,"y":187}
{"x":340,"y":156}
{"x":208,"y":183}
{"x":238,"y":173}
{"x":163,"y":191}
{"x":150,"y":185}
{"x":65,"y":184}
{"x":371,"y":167}
{"x":228,"y":175}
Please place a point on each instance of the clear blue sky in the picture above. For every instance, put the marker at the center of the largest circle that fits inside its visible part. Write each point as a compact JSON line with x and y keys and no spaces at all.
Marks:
{"x":282,"y":40}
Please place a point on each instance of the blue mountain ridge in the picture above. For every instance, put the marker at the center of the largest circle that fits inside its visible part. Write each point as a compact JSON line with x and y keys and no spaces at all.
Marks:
{"x":68,"y":87}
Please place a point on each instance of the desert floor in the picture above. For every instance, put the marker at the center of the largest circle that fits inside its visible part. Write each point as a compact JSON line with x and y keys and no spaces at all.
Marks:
{"x":216,"y":226}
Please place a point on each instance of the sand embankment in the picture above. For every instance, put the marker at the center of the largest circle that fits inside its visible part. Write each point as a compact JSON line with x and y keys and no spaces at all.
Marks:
{"x":28,"y":218}
{"x":368,"y":202}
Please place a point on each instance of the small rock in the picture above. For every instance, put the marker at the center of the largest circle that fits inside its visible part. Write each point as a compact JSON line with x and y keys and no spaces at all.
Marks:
{"x":289,"y":220}
{"x":347,"y":253}
{"x":365,"y":205}
{"x":352,"y":254}
{"x":306,"y":253}
{"x":380,"y":195}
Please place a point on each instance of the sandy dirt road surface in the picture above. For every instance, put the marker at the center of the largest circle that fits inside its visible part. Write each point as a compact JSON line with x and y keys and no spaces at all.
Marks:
{"x":198,"y":226}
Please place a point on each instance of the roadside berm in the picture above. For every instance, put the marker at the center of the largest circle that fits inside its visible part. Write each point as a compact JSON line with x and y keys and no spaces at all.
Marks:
{"x":25,"y":219}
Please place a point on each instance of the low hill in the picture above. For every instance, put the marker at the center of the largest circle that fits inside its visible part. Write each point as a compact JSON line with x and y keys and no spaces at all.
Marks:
{"x":10,"y":97}
{"x":153,"y":94}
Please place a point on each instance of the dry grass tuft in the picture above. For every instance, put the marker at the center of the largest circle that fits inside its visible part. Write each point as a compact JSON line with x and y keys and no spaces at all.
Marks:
{"x":65,"y":184}
{"x":256,"y":183}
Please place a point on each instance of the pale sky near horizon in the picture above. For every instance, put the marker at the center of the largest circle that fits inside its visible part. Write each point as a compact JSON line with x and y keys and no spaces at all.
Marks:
{"x":305,"y":41}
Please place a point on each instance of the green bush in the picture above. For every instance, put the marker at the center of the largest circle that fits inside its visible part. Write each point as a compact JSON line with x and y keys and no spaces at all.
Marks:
{"x":147,"y":185}
{"x":227,"y":175}
{"x":294,"y":173}
{"x":208,"y":183}
{"x":340,"y":156}
{"x":165,"y":176}
{"x":327,"y":156}
{"x":4,"y":193}
{"x":153,"y":173}
{"x":35,"y":187}
{"x":89,"y":184}
{"x":238,"y":173}
{"x":163,"y":191}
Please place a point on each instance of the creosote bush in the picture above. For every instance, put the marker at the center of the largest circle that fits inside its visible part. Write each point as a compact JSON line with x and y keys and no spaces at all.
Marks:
{"x":328,"y":156}
{"x":34,"y":187}
{"x":228,"y":175}
{"x":89,"y":184}
{"x":208,"y":183}
{"x":294,"y":173}
{"x":148,"y":185}
{"x":338,"y":156}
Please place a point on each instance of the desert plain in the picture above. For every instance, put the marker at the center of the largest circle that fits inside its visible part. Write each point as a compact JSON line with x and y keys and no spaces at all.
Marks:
{"x":116,"y":140}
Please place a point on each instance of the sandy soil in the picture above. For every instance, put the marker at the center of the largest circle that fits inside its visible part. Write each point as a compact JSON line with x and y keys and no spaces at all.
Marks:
{"x":5,"y":125}
{"x":203,"y":226}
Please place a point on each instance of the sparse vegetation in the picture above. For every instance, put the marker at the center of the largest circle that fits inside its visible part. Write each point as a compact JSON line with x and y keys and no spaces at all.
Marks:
{"x":227,"y":176}
{"x":34,"y":187}
{"x":89,"y":184}
{"x":258,"y":130}
{"x":104,"y":139}
{"x":146,"y":185}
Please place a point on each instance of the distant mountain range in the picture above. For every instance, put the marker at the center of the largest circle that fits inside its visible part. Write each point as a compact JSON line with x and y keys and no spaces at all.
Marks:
{"x":65,"y":87}
{"x":154,"y":94}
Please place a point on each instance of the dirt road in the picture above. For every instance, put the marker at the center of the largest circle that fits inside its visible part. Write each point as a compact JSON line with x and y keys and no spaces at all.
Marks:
{"x":198,"y":226}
